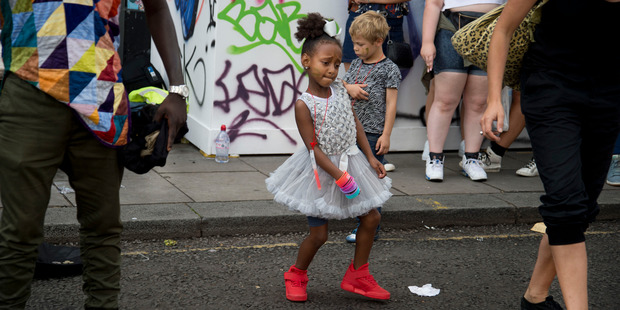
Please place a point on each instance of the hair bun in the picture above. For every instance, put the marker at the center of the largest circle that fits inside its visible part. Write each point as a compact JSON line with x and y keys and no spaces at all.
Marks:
{"x":310,"y":27}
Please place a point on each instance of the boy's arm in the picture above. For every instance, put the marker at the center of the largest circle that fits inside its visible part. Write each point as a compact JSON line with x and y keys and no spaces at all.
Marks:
{"x":362,"y":142}
{"x":356,"y":91}
{"x":383,"y":143}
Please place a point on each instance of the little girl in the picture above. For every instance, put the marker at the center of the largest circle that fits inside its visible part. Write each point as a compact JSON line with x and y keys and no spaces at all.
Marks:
{"x":330,"y":178}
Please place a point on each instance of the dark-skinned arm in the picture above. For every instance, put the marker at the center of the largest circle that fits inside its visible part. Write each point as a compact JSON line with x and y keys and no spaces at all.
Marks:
{"x":306,"y":130}
{"x":160,"y":24}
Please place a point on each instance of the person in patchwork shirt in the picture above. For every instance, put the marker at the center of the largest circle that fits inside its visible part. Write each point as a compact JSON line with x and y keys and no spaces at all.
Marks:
{"x":63,"y":106}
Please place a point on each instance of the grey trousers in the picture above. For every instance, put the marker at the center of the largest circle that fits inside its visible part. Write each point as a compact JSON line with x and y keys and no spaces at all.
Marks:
{"x":38,"y":136}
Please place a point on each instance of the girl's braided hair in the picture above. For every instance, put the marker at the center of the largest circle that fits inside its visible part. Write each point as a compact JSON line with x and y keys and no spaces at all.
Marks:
{"x":310,"y":28}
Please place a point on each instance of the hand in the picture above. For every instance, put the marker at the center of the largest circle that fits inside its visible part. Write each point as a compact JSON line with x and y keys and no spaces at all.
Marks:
{"x":383,"y":145}
{"x":356,"y":91}
{"x":428,"y":52}
{"x":173,"y":109}
{"x":378,"y":166}
{"x":494,"y":112}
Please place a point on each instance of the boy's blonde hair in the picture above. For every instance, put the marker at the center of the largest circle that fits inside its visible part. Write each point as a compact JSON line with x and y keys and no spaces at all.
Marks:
{"x":370,"y":26}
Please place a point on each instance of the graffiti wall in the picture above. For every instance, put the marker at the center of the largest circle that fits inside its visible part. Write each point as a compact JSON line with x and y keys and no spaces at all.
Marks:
{"x":241,"y":62}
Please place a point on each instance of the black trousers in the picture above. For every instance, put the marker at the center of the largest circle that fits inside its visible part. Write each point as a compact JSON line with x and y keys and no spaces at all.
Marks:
{"x":572,"y":121}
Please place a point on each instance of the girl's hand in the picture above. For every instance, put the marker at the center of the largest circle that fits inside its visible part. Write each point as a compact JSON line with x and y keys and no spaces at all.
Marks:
{"x":383,"y":145}
{"x":378,"y":166}
{"x":356,"y":91}
{"x":428,"y":52}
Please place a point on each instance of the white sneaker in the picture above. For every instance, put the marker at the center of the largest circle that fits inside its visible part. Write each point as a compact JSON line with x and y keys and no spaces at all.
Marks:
{"x":491,"y":162}
{"x":472,"y":168}
{"x":389,"y":167}
{"x":425,"y":152}
{"x":529,"y":170}
{"x":434,"y":170}
{"x":462,"y":148}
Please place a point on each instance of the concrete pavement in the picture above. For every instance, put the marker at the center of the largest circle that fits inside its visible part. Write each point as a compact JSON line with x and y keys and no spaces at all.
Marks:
{"x":193,"y":196}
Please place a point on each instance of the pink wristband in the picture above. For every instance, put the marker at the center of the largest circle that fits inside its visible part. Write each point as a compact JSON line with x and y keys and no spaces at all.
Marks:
{"x":343,"y":179}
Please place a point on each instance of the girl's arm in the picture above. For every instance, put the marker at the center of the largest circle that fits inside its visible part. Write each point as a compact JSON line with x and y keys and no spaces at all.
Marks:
{"x":362,"y":141}
{"x":508,"y":21}
{"x":383,"y":144}
{"x":306,"y":130}
{"x":432,"y":9}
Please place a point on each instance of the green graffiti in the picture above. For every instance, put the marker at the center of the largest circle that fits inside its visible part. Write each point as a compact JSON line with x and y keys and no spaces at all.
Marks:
{"x":265,"y":25}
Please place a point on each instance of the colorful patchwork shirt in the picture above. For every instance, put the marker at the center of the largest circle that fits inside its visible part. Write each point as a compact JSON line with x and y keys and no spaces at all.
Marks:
{"x":68,"y":49}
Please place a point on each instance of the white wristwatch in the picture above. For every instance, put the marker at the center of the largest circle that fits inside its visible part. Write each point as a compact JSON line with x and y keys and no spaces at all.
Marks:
{"x":181,"y":90}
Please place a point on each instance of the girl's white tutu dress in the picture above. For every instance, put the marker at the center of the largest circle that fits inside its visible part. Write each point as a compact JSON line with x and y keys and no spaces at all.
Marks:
{"x":294,"y":184}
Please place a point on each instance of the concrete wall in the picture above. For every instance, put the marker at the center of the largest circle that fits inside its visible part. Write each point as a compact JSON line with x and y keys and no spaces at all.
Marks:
{"x":241,"y":62}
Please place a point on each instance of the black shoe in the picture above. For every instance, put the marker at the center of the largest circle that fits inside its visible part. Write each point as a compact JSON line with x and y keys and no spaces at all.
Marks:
{"x":548,"y":304}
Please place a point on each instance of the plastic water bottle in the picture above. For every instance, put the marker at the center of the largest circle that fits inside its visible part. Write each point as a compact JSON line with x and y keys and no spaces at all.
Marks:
{"x":222,"y":143}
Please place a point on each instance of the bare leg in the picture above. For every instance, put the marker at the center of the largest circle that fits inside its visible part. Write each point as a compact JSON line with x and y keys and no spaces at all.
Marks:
{"x":310,"y":245}
{"x":474,"y":104}
{"x":543,"y":274}
{"x":448,"y":90}
{"x":571,"y":264}
{"x":365,"y":237}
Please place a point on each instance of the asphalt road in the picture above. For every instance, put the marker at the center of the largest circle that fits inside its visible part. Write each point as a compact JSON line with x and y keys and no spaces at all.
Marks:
{"x":474,"y":268}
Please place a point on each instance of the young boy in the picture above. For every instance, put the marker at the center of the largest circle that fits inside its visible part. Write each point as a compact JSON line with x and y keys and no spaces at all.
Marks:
{"x":372,"y":81}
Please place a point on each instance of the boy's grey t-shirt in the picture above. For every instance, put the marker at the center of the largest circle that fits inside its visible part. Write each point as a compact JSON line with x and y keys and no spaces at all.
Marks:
{"x":385,"y":74}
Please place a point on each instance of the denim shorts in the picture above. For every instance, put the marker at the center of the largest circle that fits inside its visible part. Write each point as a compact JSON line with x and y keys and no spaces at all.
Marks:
{"x":447,"y":59}
{"x":396,"y":35}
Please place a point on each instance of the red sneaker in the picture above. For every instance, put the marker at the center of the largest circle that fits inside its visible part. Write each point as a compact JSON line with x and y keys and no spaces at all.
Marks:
{"x":296,"y":281}
{"x":361,"y":282}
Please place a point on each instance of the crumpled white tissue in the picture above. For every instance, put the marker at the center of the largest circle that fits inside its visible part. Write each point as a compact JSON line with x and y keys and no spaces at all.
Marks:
{"x":425,"y":290}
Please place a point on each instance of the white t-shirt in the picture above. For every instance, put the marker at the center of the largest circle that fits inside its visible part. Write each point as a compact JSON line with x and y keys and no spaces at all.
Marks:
{"x":449,"y":4}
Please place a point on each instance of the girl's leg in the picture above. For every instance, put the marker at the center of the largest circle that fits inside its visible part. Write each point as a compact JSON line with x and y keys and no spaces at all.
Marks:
{"x":296,"y":278}
{"x":365,"y":237}
{"x":543,"y":274}
{"x":358,"y":279}
{"x":310,"y":245}
{"x":474,"y":104}
{"x":448,"y":89}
